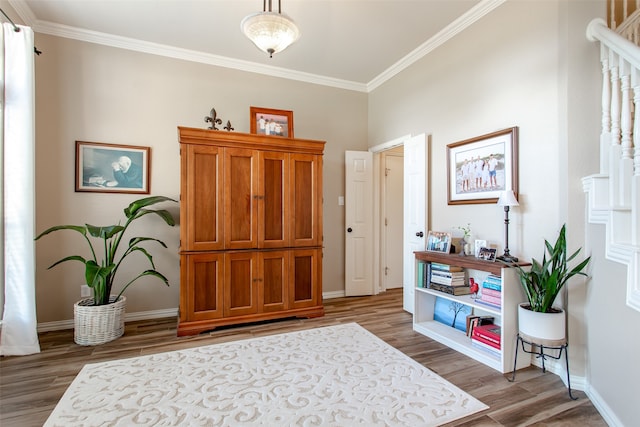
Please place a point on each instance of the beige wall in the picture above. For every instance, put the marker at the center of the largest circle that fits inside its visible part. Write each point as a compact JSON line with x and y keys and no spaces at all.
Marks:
{"x":612,"y":332}
{"x":95,"y":93}
{"x":537,"y":73}
{"x":542,"y":75}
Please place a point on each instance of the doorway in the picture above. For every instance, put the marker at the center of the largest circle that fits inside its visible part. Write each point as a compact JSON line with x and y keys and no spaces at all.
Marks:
{"x":414,"y":201}
{"x":392,"y":222}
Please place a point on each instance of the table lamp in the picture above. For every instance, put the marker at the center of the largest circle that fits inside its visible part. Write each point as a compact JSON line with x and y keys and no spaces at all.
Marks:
{"x":507,"y":199}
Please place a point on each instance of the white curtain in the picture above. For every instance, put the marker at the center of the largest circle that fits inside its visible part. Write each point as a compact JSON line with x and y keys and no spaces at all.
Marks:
{"x":19,"y":334}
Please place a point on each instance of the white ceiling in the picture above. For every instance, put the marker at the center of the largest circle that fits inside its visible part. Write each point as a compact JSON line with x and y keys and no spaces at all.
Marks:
{"x":354,"y":44}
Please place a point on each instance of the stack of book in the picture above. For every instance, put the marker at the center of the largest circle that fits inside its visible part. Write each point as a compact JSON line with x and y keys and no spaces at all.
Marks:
{"x":487,"y":338}
{"x":474,"y":320}
{"x":491,"y":292}
{"x":447,"y":278}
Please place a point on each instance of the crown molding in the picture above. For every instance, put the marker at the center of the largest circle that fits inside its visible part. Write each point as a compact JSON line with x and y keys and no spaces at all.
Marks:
{"x":58,"y":30}
{"x":120,"y":42}
{"x":457,"y":26}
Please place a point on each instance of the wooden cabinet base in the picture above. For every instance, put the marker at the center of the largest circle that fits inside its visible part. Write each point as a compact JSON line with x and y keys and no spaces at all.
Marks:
{"x":196,"y":327}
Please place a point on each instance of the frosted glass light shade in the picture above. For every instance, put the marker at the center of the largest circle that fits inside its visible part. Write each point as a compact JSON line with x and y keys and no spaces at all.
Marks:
{"x":271,"y":32}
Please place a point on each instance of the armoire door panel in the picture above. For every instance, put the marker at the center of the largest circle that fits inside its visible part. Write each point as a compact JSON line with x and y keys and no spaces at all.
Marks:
{"x":241,"y":197}
{"x":273,"y":206}
{"x":273,"y":289}
{"x":240,"y":284}
{"x":204,"y":278}
{"x":304,"y":273}
{"x":304,"y":200}
{"x":203,"y":224}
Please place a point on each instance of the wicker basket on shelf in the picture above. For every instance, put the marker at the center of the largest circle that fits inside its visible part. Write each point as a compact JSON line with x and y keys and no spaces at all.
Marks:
{"x":98,"y":324}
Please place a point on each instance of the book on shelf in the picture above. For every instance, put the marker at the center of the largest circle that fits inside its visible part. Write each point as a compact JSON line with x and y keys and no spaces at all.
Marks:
{"x":492,"y":282}
{"x":421,"y":283}
{"x":445,"y":267}
{"x":485,"y":347}
{"x":444,"y":281}
{"x":483,"y":340}
{"x":448,"y":274}
{"x":491,"y":299}
{"x":427,"y":274}
{"x":493,"y":278}
{"x":480,"y":301}
{"x":491,"y":292}
{"x":451,"y":290}
{"x":474,"y":320}
{"x":488,"y":332}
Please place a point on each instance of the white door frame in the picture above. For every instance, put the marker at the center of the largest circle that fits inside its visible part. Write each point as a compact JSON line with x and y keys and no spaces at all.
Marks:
{"x":378,"y":176}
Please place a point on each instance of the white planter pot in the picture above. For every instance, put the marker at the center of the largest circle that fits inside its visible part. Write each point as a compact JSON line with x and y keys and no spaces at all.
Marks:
{"x":541,"y":326}
{"x":98,"y":324}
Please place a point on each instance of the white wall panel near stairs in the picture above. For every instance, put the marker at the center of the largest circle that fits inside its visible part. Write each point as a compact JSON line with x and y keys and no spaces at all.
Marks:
{"x":614,"y":193}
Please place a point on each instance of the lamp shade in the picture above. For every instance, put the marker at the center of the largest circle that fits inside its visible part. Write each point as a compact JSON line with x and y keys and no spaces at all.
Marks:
{"x":507,"y":198}
{"x":271,"y":32}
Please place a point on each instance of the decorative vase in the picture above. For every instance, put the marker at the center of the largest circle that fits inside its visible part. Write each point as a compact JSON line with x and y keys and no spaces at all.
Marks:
{"x":537,"y":326}
{"x":463,"y":243}
{"x":468,"y":250}
{"x":98,"y":324}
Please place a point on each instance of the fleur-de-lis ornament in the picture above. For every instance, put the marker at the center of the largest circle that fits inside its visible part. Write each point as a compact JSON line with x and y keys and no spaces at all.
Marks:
{"x":213,"y":119}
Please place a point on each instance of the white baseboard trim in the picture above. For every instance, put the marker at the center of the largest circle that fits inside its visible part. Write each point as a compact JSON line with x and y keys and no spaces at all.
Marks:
{"x":581,"y":383}
{"x":333,"y":294}
{"x":144,"y":315}
{"x":604,"y":409}
{"x":128,"y":317}
{"x":60,"y":325}
{"x":578,"y":382}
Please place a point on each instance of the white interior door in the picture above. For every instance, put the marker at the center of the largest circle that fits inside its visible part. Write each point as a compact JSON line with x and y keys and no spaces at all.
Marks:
{"x":393,"y":221}
{"x":415,"y":209}
{"x":359,"y":223}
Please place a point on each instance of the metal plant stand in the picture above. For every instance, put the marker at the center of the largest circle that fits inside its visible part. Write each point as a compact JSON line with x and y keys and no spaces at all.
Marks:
{"x":559,"y":345}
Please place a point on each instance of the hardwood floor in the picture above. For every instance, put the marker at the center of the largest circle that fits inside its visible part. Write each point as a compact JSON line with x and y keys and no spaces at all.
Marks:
{"x":32,"y":385}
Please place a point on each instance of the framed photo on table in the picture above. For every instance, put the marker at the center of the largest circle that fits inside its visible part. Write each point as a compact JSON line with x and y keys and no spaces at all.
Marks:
{"x":270,"y":122}
{"x":438,"y":241}
{"x":112,"y":168}
{"x":481,"y":168}
{"x":487,"y":254}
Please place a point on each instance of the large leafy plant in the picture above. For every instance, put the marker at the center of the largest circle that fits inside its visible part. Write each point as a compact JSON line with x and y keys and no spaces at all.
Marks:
{"x":100,"y":272}
{"x":544,"y":281}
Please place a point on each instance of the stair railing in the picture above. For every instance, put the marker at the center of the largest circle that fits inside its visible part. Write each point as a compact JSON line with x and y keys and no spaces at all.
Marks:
{"x":617,"y":202}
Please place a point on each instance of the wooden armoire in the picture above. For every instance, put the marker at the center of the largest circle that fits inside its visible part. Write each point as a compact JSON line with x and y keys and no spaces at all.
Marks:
{"x":250,"y":228}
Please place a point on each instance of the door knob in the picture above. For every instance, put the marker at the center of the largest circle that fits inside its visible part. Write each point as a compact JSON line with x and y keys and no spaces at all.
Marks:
{"x":349,"y":230}
{"x":420,"y":234}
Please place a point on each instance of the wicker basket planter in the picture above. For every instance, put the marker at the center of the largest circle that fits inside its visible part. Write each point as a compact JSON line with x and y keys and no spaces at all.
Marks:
{"x":98,"y":324}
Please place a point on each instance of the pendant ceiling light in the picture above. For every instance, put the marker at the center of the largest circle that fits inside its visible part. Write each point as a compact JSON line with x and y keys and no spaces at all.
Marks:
{"x":271,"y":32}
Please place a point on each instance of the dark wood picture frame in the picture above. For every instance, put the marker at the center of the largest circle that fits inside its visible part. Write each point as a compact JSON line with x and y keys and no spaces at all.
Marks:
{"x":481,"y":168}
{"x":270,"y":122}
{"x":112,"y":168}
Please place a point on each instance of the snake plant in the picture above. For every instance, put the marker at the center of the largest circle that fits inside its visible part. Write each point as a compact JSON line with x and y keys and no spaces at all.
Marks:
{"x":544,"y":281}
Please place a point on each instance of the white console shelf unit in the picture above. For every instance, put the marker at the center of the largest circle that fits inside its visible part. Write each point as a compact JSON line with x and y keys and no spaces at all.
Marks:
{"x":506,"y":316}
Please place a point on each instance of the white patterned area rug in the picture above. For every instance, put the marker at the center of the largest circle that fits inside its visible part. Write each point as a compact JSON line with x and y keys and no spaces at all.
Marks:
{"x":332,"y":376}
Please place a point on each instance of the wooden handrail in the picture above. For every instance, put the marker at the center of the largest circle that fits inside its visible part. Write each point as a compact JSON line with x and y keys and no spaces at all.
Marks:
{"x":618,"y":11}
